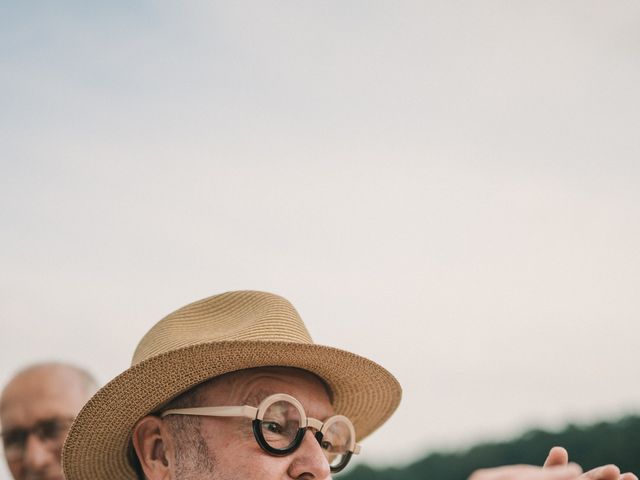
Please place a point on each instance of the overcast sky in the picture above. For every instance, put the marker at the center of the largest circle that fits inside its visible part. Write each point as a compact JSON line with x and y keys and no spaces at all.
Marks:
{"x":449,"y":188}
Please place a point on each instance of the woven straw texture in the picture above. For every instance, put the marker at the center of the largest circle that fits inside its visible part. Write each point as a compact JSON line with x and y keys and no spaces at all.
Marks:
{"x":211,"y":337}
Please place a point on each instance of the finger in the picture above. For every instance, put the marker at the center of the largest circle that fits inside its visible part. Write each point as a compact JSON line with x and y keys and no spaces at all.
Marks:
{"x":527,"y":472}
{"x":557,"y":456}
{"x":606,"y":472}
{"x":628,"y":476}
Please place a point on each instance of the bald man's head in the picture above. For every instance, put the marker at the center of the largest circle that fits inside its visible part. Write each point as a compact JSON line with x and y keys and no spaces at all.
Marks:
{"x":37,"y":407}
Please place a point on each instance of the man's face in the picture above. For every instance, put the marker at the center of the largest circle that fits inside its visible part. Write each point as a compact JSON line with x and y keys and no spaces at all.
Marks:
{"x":229,"y":444}
{"x":42,"y":402}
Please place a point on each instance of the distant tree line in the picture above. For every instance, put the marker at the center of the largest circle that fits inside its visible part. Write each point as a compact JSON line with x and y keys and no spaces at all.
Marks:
{"x":599,"y":444}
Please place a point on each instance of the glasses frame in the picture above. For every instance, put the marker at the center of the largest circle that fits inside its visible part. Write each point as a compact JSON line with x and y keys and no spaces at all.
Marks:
{"x":256,"y":414}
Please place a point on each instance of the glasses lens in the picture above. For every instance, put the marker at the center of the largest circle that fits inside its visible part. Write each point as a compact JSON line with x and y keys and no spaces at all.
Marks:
{"x":13,"y":443}
{"x":336,"y":441}
{"x":51,"y":430}
{"x":280,"y":424}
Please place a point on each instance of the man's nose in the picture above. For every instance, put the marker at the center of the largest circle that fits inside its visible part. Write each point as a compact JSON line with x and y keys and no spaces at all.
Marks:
{"x":308,"y":461}
{"x":37,"y":454}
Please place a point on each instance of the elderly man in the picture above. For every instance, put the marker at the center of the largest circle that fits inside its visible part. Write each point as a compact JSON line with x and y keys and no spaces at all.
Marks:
{"x":232,"y":387}
{"x":36,"y":410}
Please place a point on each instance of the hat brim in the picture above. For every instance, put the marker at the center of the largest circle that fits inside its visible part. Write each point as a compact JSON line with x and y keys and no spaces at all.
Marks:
{"x":98,"y":442}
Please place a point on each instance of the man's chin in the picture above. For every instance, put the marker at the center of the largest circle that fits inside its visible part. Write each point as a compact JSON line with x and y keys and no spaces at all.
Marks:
{"x":45,"y":476}
{"x":53,"y":476}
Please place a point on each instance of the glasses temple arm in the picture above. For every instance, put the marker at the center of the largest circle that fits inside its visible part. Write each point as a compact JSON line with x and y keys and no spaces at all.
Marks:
{"x":244,"y":411}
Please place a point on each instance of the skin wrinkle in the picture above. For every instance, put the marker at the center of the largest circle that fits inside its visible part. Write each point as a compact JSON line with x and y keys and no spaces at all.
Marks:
{"x":254,"y":398}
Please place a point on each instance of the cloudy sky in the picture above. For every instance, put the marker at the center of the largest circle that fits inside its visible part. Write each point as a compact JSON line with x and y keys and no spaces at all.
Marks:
{"x":449,"y":188}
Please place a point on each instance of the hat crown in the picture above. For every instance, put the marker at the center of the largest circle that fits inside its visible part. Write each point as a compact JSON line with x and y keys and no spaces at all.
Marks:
{"x":243,"y":315}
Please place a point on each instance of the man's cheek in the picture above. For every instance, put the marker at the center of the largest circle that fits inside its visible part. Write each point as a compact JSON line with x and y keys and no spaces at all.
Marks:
{"x":272,"y":468}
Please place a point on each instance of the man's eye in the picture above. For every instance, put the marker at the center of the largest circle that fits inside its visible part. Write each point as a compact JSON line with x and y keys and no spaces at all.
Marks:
{"x":14,"y":438}
{"x":326,"y":445}
{"x":50,"y":429}
{"x":273,"y":427}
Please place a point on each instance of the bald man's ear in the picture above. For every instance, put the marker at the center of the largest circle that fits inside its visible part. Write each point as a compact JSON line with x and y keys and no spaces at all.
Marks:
{"x":152,"y":443}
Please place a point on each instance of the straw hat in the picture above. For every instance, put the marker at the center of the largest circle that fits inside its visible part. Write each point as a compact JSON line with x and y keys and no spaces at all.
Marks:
{"x":208,"y":338}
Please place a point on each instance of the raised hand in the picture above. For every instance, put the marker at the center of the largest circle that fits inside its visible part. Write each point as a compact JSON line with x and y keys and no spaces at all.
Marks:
{"x":558,"y":456}
{"x":528,"y":472}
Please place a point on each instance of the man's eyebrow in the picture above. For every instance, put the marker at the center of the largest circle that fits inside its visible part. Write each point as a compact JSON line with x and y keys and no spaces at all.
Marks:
{"x":255,"y":397}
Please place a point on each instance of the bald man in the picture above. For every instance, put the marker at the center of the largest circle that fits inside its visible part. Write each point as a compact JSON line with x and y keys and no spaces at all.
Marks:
{"x":37,"y":408}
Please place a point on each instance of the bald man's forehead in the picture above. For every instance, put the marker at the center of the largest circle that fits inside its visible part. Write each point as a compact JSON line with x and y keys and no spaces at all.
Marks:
{"x":44,"y":379}
{"x":41,"y":394}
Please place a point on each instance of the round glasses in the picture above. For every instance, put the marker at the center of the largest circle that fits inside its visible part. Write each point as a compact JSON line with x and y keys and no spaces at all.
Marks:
{"x":280,"y":423}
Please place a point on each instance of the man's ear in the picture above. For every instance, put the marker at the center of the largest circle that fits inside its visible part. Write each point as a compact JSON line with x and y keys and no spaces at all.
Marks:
{"x":152,"y":444}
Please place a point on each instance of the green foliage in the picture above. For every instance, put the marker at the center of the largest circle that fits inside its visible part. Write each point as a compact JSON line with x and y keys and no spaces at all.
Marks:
{"x":614,"y":442}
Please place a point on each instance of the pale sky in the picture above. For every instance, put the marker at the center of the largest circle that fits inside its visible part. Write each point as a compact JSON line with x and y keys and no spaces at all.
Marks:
{"x":448,"y":188}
